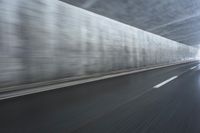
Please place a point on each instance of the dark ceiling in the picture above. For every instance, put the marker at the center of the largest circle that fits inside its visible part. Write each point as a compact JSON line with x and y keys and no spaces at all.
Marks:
{"x":178,"y":20}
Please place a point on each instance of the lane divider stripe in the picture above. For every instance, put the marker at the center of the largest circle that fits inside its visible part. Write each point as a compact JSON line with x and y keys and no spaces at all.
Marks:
{"x":165,"y":82}
{"x":193,"y":67}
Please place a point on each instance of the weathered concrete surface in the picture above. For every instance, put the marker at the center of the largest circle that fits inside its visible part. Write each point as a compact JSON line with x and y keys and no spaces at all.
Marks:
{"x":174,"y":19}
{"x":44,"y":40}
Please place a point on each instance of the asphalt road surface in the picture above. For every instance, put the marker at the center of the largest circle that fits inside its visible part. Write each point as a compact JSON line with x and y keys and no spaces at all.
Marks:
{"x":163,"y":100}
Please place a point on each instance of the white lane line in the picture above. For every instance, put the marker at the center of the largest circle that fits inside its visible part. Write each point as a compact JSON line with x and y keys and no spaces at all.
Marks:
{"x":165,"y":82}
{"x":193,"y":67}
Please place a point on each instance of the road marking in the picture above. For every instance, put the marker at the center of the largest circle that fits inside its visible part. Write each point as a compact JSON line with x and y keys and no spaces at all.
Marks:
{"x":27,"y":89}
{"x":165,"y":82}
{"x":193,"y":67}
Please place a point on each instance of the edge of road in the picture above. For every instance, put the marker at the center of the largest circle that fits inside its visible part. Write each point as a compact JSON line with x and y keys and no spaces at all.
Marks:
{"x":26,"y":89}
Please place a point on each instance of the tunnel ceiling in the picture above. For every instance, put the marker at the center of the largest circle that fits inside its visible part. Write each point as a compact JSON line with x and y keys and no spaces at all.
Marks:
{"x":178,"y":20}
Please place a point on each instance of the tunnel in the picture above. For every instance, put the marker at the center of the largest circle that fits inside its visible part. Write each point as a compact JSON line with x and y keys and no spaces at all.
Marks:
{"x":99,"y":66}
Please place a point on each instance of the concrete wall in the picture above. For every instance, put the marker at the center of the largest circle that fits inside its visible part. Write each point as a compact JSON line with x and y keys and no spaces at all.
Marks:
{"x":43,"y":40}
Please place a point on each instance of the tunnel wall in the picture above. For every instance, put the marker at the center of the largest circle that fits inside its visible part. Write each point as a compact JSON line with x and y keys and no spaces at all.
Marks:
{"x":43,"y":40}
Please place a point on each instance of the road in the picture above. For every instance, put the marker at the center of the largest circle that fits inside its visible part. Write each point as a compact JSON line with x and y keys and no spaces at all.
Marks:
{"x":165,"y":100}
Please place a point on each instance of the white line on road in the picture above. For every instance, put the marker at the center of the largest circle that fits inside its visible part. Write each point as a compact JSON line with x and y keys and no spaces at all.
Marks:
{"x":193,"y":67}
{"x":165,"y":82}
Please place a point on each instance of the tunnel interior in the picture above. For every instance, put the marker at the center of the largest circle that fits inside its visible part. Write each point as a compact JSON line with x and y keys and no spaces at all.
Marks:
{"x":99,"y":66}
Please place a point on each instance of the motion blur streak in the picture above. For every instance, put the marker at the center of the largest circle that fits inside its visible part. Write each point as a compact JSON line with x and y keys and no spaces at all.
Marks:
{"x":42,"y":40}
{"x":64,"y":69}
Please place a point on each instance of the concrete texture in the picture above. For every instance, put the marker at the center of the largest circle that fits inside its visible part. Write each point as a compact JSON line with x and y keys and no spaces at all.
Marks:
{"x":174,"y":19}
{"x":44,"y":40}
{"x":126,"y":104}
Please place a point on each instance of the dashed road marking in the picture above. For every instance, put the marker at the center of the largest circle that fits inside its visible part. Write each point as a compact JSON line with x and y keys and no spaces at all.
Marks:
{"x":165,"y":82}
